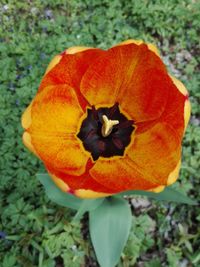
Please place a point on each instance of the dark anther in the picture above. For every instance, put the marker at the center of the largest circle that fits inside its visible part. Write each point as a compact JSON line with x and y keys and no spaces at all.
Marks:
{"x":95,"y":113}
{"x":113,"y":109}
{"x":117,"y":142}
{"x":125,"y":124}
{"x":91,"y":133}
{"x":99,"y":144}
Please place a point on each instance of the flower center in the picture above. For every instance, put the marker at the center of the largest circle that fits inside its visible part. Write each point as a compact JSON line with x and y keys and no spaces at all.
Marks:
{"x":105,"y":132}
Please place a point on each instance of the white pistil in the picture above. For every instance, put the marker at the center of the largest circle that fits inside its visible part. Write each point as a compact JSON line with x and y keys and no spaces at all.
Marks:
{"x":107,"y":125}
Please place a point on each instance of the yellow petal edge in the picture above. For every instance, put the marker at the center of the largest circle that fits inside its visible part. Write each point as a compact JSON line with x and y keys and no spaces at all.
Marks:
{"x":77,"y":49}
{"x":86,"y":193}
{"x":60,"y":183}
{"x":173,"y":176}
{"x":187,"y":108}
{"x":151,"y":47}
{"x":70,"y":50}
{"x":26,"y":117}
{"x":53,"y":63}
{"x":157,"y":189}
{"x":180,"y":86}
{"x":187,"y":112}
{"x":27,"y":142}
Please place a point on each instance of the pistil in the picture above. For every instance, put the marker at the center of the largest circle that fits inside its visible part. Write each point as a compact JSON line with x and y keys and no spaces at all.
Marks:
{"x":107,"y":125}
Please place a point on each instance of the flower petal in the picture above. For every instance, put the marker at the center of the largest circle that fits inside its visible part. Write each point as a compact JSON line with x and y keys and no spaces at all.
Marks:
{"x":28,"y":143}
{"x":120,"y":174}
{"x":26,"y":117}
{"x":151,"y":47}
{"x":173,"y":176}
{"x":82,"y":193}
{"x":179,"y":85}
{"x":178,"y":104}
{"x":147,"y":164}
{"x":71,"y":67}
{"x":83,"y":181}
{"x":174,"y":111}
{"x":157,"y":189}
{"x":131,"y":75}
{"x":60,"y":183}
{"x":156,"y":152}
{"x":86,"y":193}
{"x":55,"y":117}
{"x":56,"y":110}
{"x":77,"y":49}
{"x":187,"y":113}
{"x":53,"y":63}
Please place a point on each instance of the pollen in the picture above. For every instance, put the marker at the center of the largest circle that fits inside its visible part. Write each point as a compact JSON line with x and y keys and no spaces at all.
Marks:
{"x":107,"y":125}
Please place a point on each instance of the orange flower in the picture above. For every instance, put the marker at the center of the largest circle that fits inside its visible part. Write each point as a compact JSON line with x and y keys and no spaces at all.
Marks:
{"x":108,"y":121}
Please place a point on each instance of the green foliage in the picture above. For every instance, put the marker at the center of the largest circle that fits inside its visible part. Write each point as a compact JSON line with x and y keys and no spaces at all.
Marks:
{"x":38,"y":232}
{"x":140,"y":239}
{"x":168,"y":194}
{"x":109,"y":231}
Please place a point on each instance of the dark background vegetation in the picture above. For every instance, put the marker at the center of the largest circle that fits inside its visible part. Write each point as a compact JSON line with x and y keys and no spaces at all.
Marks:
{"x":36,"y":232}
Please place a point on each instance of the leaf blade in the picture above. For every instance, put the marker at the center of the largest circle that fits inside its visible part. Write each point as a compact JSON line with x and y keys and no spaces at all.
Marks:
{"x":109,"y":226}
{"x":58,"y":196}
{"x":88,"y":205}
{"x":168,"y":194}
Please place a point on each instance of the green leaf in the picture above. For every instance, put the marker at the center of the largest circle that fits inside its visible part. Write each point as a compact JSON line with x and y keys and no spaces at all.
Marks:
{"x":88,"y":205}
{"x":58,"y":196}
{"x":109,"y":226}
{"x":168,"y":194}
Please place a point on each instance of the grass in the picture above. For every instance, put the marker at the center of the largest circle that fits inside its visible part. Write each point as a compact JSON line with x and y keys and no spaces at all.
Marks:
{"x":39,"y":233}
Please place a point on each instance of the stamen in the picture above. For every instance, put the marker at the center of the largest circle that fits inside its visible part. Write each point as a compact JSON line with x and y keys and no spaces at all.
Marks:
{"x":107,"y":125}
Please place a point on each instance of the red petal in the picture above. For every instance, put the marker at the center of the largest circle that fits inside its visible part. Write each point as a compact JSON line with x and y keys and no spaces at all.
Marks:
{"x":131,"y":75}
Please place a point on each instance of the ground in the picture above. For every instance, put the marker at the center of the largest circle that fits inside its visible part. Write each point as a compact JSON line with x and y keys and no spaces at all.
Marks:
{"x":33,"y":230}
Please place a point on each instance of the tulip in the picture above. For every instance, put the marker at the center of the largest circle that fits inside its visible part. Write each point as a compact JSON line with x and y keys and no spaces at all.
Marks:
{"x":104,"y":122}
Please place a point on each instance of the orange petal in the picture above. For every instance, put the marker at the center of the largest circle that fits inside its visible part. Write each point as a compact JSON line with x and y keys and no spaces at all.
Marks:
{"x":180,"y":86}
{"x":176,"y":113}
{"x":181,"y":105}
{"x":53,"y":63}
{"x":156,"y":152}
{"x":121,"y":174}
{"x":71,"y":67}
{"x":83,"y":182}
{"x":131,"y":75}
{"x":173,"y":176}
{"x":83,"y":193}
{"x":55,"y":118}
{"x":56,"y":110}
{"x":71,"y":50}
{"x":174,"y":110}
{"x":146,"y":166}
{"x":151,"y":47}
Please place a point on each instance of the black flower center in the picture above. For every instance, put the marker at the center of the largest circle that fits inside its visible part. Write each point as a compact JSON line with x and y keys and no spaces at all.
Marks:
{"x":112,"y":144}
